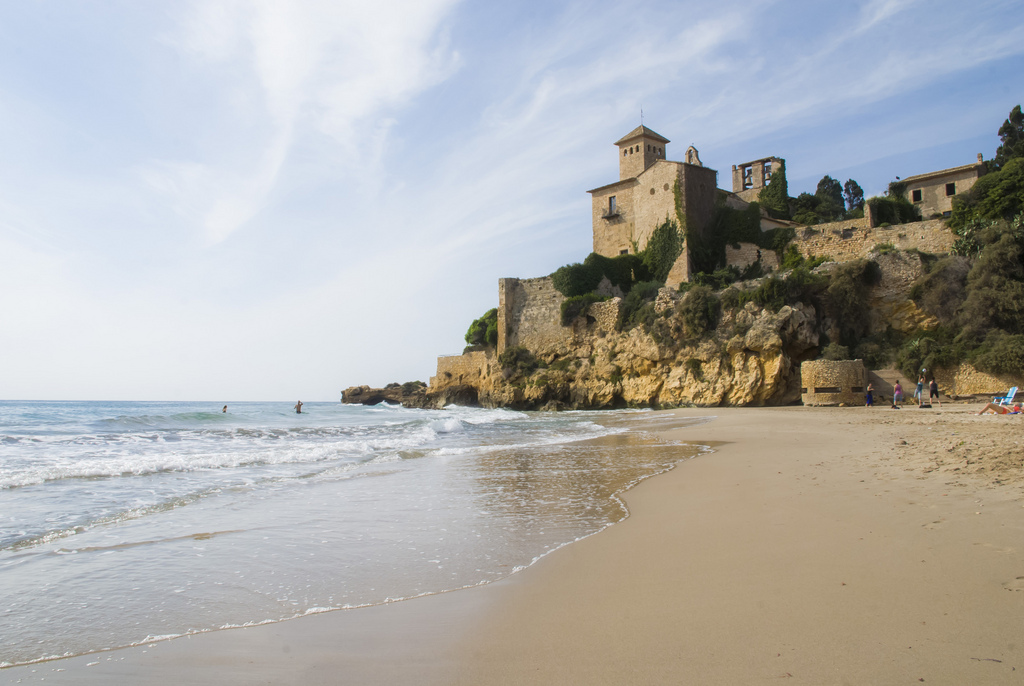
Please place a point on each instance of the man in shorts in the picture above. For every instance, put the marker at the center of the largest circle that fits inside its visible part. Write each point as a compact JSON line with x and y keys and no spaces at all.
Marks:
{"x":933,"y":392}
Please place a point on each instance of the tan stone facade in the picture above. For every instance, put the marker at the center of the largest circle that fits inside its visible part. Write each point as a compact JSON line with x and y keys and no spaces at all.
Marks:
{"x":932,"y":193}
{"x":828,"y":382}
{"x":624,"y":214}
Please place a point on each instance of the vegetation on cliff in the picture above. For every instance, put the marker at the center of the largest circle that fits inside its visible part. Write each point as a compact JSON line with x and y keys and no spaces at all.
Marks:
{"x":484,"y":331}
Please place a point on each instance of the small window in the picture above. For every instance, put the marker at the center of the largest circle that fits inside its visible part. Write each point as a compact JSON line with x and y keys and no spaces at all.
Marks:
{"x":648,"y":147}
{"x":950,"y":189}
{"x":624,"y":153}
{"x":916,"y":195}
{"x":611,"y":204}
{"x":624,"y":251}
{"x":652,"y":191}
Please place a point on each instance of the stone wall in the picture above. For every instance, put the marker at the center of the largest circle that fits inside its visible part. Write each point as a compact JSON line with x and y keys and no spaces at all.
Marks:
{"x":468,"y":368}
{"x":852,"y":239}
{"x":966,"y":380}
{"x":529,"y":315}
{"x":606,"y":314}
{"x":749,"y":253}
{"x":613,"y":234}
{"x":828,"y":382}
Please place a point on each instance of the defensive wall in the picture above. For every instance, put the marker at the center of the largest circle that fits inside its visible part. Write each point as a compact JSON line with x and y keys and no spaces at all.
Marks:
{"x":468,"y":368}
{"x":529,"y":315}
{"x":831,"y":382}
{"x":850,"y":240}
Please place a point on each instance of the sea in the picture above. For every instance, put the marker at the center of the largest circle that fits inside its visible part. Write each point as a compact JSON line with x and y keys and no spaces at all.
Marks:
{"x":124,"y":523}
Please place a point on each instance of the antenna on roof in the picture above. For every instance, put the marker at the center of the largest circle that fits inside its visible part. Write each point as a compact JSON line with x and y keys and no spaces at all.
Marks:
{"x":641,"y":115}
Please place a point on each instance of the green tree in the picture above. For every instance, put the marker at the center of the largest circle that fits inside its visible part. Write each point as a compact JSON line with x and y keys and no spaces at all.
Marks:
{"x":1011,"y":133}
{"x":854,"y":195}
{"x":484,"y":331}
{"x":830,"y":197}
{"x":775,"y":196}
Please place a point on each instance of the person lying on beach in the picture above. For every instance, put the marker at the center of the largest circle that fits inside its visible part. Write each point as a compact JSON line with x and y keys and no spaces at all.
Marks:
{"x":1000,"y":409}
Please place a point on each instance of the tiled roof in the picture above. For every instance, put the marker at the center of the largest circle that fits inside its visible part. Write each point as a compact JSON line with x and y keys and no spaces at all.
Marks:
{"x":641,"y":131}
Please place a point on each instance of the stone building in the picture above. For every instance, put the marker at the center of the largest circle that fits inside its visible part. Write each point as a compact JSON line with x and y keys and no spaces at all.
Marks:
{"x":750,"y":177}
{"x":831,"y":382}
{"x":625,"y":213}
{"x":932,"y":193}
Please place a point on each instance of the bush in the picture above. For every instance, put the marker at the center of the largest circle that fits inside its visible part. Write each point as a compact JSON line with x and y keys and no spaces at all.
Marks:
{"x":643,"y":292}
{"x":943,"y":289}
{"x":576,"y":279}
{"x":834,"y":351}
{"x":577,"y":305}
{"x":1000,"y":353}
{"x":519,"y":360}
{"x":484,"y":331}
{"x":893,"y":210}
{"x":847,"y":297}
{"x":699,"y":310}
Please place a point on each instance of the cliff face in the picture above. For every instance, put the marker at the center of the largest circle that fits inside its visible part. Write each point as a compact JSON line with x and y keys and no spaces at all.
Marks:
{"x":752,"y":357}
{"x":747,"y":361}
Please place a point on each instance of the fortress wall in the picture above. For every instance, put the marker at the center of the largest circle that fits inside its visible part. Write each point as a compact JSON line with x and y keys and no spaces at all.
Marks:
{"x":468,"y":368}
{"x":747,"y":254}
{"x":852,"y":239}
{"x":529,"y":314}
{"x":830,"y":382}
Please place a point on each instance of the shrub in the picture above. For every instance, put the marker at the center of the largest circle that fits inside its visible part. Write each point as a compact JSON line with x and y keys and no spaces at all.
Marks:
{"x":834,"y":351}
{"x":847,"y":297}
{"x":519,"y":360}
{"x":1000,"y":353}
{"x":577,"y":305}
{"x":641,"y":293}
{"x":893,"y":210}
{"x":943,"y":289}
{"x":484,"y":331}
{"x":576,"y":279}
{"x":699,"y":310}
{"x":622,"y":271}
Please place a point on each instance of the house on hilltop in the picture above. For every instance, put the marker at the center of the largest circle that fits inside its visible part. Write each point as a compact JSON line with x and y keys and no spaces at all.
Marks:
{"x":932,"y":193}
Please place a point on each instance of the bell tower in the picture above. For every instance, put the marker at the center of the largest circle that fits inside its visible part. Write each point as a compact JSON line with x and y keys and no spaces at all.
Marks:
{"x":638,"y":150}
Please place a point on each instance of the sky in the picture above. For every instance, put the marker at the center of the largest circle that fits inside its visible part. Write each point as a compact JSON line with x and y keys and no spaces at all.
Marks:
{"x":277,"y":199}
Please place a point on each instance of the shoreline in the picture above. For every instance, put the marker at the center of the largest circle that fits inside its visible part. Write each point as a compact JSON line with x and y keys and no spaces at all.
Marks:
{"x":810,"y":545}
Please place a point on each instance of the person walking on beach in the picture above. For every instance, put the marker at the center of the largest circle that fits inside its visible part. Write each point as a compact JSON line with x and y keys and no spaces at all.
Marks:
{"x":869,"y":397}
{"x":933,"y":392}
{"x":298,"y":407}
{"x":897,"y":395}
{"x":919,"y":393}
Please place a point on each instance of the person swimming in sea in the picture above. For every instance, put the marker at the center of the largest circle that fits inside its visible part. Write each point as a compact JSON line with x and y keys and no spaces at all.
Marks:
{"x":298,"y":407}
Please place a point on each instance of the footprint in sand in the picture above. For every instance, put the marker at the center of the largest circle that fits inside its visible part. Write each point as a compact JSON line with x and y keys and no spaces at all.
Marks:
{"x":933,"y":525}
{"x":1015,"y":585}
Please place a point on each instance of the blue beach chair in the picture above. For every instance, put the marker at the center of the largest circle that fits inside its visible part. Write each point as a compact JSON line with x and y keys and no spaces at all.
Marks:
{"x":1008,"y":398}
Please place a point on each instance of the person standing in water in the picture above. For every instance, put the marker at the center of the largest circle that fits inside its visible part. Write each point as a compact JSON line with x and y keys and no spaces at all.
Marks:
{"x":298,"y":407}
{"x":225,"y":409}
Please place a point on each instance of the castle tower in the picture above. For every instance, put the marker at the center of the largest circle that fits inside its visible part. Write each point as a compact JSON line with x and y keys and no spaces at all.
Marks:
{"x":638,"y":150}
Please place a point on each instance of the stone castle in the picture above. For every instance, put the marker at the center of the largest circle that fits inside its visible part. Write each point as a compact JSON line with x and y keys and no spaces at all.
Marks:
{"x":651,"y":189}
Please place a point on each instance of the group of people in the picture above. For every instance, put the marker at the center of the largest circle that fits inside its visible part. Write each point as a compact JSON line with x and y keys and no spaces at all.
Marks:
{"x":897,"y":393}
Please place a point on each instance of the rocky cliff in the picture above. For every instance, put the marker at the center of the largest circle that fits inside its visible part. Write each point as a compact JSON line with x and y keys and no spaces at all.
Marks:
{"x":751,"y":357}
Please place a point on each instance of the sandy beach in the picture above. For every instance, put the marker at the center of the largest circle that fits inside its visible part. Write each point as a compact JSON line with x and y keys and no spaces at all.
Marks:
{"x":812,"y":546}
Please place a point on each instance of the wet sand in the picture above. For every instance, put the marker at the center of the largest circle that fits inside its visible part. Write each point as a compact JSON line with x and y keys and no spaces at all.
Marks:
{"x":814,"y":546}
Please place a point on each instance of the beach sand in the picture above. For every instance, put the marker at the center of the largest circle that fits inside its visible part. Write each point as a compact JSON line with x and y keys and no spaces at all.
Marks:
{"x":813,"y":546}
